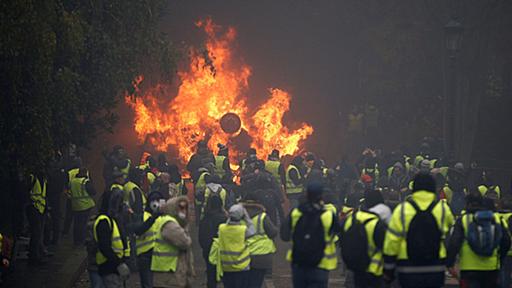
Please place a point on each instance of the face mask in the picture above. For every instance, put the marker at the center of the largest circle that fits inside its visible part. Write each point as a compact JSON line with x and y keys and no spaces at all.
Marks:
{"x":154,"y":206}
{"x":182,"y":215}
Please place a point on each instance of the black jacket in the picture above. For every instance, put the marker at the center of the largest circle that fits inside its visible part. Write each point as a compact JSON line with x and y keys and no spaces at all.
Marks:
{"x":104,"y":234}
{"x":209,"y":228}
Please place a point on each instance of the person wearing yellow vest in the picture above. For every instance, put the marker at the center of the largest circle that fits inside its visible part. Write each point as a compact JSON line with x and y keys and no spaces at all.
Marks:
{"x":275,"y":167}
{"x":171,"y":262}
{"x":366,"y":274}
{"x":109,"y":235}
{"x":199,"y":190}
{"x":261,"y":244}
{"x":35,"y":211}
{"x":213,"y":188}
{"x":505,"y":212}
{"x":82,"y":191}
{"x":414,"y":243}
{"x":481,"y":241}
{"x":134,"y":197}
{"x":294,"y":182}
{"x":145,"y":241}
{"x":222,"y":166}
{"x":71,"y":174}
{"x":233,"y":249}
{"x":312,"y":230}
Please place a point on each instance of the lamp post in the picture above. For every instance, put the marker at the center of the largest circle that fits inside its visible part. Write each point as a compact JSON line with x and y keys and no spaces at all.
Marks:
{"x":453,"y":34}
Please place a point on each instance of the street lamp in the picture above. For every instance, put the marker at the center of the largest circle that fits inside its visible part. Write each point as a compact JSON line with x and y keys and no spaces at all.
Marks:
{"x":453,"y":34}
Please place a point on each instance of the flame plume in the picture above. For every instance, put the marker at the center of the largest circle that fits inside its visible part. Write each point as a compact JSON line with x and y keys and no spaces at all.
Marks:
{"x":212,"y":86}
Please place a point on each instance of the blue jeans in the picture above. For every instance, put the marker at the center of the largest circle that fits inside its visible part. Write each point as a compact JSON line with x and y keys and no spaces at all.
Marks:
{"x":95,"y":279}
{"x":308,"y":277}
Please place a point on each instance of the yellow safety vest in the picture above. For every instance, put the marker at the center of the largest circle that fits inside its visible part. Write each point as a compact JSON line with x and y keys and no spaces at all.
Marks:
{"x":395,"y":243}
{"x":291,"y":188}
{"x":484,"y":190}
{"x":272,"y":166}
{"x":259,"y":243}
{"x":146,"y":241}
{"x":200,"y":185}
{"x":118,"y":186}
{"x":234,"y":251}
{"x":223,"y":193}
{"x":375,"y":171}
{"x":505,"y":217}
{"x":126,"y":169}
{"x":330,"y":259}
{"x":469,"y":260}
{"x":117,"y":242}
{"x":165,"y":255}
{"x":80,"y":199}
{"x":376,"y":266}
{"x":38,"y":194}
{"x":128,"y":192}
{"x":72,"y":174}
{"x":219,"y":163}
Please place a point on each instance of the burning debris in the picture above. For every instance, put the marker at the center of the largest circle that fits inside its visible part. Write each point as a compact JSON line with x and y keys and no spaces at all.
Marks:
{"x":211,"y":104}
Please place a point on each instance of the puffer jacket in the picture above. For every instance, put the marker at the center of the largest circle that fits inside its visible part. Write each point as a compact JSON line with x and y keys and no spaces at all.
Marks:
{"x":179,"y":236}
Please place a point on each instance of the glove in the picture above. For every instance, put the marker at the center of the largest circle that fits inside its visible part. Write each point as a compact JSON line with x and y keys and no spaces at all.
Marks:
{"x":124,"y":271}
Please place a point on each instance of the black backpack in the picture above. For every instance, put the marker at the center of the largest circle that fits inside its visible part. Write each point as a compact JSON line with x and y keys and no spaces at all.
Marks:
{"x":309,"y":239}
{"x":354,"y":246}
{"x":423,"y":236}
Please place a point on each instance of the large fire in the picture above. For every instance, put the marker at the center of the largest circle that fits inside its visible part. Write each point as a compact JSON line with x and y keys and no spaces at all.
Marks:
{"x":212,"y":86}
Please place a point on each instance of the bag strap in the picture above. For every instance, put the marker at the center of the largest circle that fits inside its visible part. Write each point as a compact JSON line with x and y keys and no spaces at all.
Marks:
{"x":417,"y":208}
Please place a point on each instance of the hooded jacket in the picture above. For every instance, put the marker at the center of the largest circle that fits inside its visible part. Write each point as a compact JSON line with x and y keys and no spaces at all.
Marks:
{"x":177,"y":235}
{"x":261,"y":261}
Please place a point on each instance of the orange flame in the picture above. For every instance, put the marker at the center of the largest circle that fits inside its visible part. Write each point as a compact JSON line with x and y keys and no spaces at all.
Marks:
{"x":212,"y":86}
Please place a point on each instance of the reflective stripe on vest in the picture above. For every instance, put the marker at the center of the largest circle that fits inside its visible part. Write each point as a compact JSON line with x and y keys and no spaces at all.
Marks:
{"x":376,"y":266}
{"x":219,"y":166}
{"x":165,"y":255}
{"x":117,"y":243}
{"x":128,"y":192}
{"x":291,"y":188}
{"x":272,"y":166}
{"x":146,"y":241}
{"x":234,"y":251}
{"x":80,"y":199}
{"x":259,"y":243}
{"x":469,"y":260}
{"x":330,"y":259}
{"x":38,"y":194}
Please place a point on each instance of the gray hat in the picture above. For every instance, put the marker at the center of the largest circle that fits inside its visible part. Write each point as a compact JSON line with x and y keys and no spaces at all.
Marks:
{"x":425,"y":164}
{"x":236,"y":212}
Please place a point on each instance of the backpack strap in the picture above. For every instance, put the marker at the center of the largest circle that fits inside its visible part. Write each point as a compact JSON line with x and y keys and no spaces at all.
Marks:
{"x":417,"y":208}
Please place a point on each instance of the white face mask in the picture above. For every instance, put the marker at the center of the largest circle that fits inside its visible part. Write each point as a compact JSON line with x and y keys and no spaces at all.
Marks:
{"x":182,"y":215}
{"x":155,"y":206}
